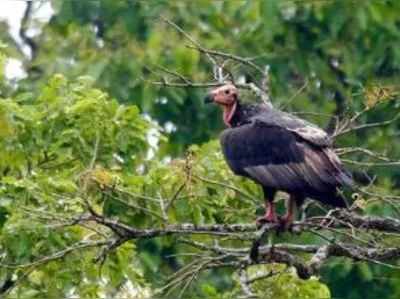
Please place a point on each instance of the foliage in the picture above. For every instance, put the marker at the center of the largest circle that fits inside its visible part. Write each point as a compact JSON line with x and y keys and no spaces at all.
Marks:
{"x":47,"y":144}
{"x":83,"y":137}
{"x":121,"y":45}
{"x":59,"y":151}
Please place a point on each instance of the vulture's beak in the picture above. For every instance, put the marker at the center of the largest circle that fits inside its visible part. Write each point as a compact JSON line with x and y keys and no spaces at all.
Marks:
{"x":208,"y":99}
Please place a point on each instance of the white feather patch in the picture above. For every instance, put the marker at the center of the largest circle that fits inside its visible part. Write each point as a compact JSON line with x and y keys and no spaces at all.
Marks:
{"x":313,"y":134}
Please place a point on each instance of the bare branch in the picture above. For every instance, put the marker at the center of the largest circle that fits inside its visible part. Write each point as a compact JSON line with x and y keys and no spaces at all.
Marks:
{"x":237,"y":58}
{"x":175,"y":74}
{"x":295,"y":95}
{"x":135,"y":206}
{"x":239,"y":191}
{"x":386,"y":224}
{"x":371,"y":164}
{"x":350,"y":150}
{"x":22,"y":31}
{"x":364,"y":126}
{"x":60,"y":254}
{"x":191,"y":84}
{"x":263,"y":276}
{"x":244,"y":283}
{"x":189,"y":37}
{"x":319,"y":258}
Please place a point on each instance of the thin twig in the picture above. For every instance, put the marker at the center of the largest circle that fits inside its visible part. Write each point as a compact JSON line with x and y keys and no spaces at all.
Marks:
{"x":189,"y":37}
{"x":237,"y":58}
{"x":365,"y":126}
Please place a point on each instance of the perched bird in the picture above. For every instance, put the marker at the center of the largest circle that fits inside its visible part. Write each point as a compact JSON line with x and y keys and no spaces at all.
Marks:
{"x":280,"y":152}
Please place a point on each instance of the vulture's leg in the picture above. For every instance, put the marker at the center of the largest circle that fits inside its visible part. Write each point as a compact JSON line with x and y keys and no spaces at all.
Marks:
{"x":270,"y":213}
{"x":292,"y":205}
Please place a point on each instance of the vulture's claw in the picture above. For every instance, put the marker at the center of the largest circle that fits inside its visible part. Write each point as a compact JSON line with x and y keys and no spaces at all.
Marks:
{"x":286,"y":223}
{"x":269,"y":216}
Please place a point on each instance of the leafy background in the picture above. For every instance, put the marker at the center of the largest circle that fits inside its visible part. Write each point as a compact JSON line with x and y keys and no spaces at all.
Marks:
{"x":88,"y":90}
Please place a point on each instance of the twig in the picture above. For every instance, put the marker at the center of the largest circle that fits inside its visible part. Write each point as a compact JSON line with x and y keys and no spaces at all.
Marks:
{"x":189,"y":37}
{"x":263,"y":276}
{"x":191,"y":84}
{"x":22,"y":31}
{"x":57,"y":255}
{"x":371,"y":164}
{"x":241,"y":192}
{"x":175,"y":74}
{"x":175,"y":196}
{"x":365,"y":126}
{"x":135,"y":207}
{"x":295,"y":95}
{"x":244,"y":283}
{"x":95,"y":151}
{"x":351,"y":150}
{"x":240,"y":59}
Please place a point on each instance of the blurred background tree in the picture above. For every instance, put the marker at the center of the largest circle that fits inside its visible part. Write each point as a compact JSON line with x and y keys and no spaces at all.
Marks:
{"x":332,"y":57}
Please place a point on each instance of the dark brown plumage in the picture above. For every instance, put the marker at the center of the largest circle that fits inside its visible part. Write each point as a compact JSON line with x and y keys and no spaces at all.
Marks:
{"x":280,"y":152}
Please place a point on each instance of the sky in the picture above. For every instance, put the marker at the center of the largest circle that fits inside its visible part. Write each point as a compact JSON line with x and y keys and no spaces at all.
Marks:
{"x":12,"y":12}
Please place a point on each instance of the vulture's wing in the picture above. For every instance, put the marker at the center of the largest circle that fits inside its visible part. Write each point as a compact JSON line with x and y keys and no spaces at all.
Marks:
{"x":302,"y":128}
{"x":276,"y":158}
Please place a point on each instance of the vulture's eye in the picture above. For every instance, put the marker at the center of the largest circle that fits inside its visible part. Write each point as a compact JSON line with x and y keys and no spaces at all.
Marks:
{"x":227,"y":91}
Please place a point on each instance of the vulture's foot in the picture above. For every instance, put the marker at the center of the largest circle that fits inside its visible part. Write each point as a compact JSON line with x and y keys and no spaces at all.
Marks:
{"x":269,"y":216}
{"x":286,"y":223}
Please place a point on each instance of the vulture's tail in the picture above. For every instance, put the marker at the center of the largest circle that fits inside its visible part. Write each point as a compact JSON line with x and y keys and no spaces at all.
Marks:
{"x":334,"y":199}
{"x":338,"y":200}
{"x":345,"y":179}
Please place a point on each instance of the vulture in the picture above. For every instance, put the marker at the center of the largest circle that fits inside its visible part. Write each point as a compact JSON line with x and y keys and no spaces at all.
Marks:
{"x":281,"y":152}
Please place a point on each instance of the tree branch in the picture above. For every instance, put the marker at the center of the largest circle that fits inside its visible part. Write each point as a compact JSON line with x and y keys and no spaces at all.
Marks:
{"x":364,"y":126}
{"x":24,"y":26}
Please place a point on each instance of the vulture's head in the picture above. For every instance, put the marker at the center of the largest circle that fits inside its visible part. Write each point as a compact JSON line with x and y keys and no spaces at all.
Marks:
{"x":227,"y":97}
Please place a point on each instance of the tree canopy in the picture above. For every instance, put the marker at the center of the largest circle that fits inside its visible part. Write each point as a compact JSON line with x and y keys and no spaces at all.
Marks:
{"x":112,"y":182}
